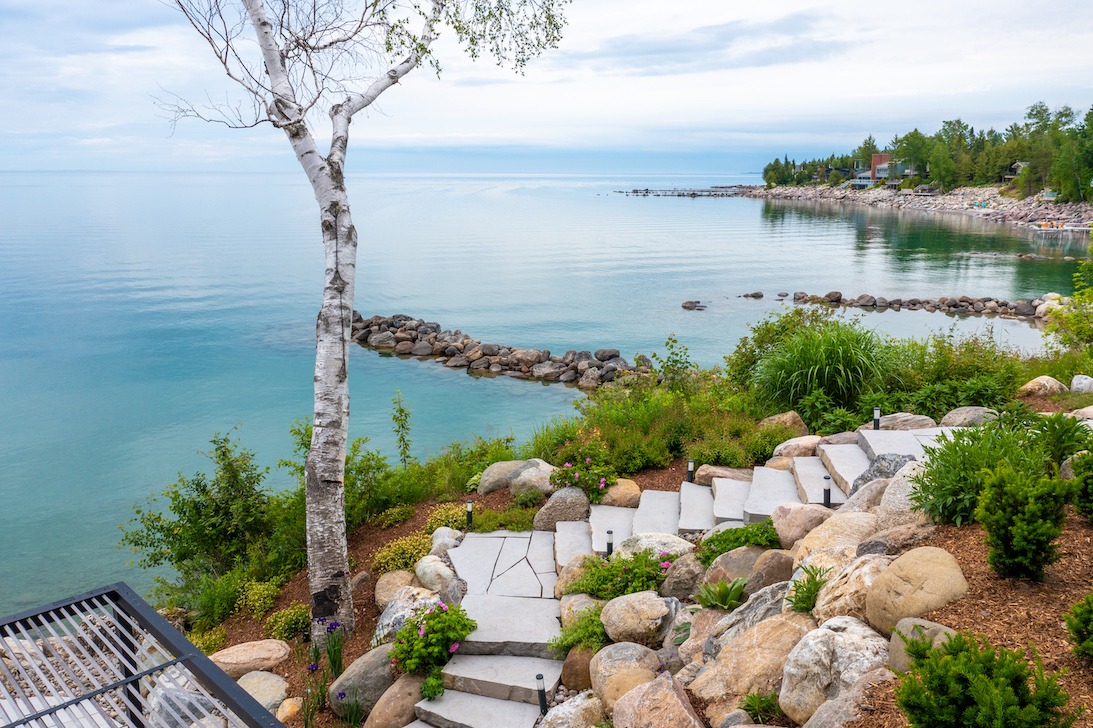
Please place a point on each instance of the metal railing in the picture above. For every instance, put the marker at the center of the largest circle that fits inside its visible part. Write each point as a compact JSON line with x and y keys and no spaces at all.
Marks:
{"x":105,"y":659}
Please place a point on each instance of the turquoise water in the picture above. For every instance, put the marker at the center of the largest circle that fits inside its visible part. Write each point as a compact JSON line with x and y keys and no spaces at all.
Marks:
{"x":141,"y":313}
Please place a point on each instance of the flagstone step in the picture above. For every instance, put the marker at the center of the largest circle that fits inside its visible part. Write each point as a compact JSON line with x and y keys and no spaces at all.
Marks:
{"x":658,"y":512}
{"x":519,"y":626}
{"x":502,"y":677}
{"x":769,"y":489}
{"x":810,"y":474}
{"x":844,"y":462}
{"x":695,"y":508}
{"x":729,"y":497}
{"x":610,"y":518}
{"x":571,"y":538}
{"x":890,"y":442}
{"x":933,"y":436}
{"x":454,"y":709}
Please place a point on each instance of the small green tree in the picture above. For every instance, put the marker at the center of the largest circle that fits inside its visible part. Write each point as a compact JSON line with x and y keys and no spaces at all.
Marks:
{"x":1072,"y":325}
{"x":400,"y":416}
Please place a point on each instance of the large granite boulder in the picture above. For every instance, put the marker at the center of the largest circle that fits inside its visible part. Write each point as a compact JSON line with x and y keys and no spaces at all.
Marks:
{"x":895,"y":507}
{"x":917,"y":582}
{"x":772,"y":567}
{"x":895,"y":541}
{"x":662,"y":703}
{"x":754,"y":662}
{"x":582,"y":711}
{"x":834,"y":543}
{"x":642,"y":617}
{"x":789,"y":420}
{"x":884,"y":465}
{"x":827,"y":661}
{"x":845,"y":591}
{"x":702,"y":623}
{"x":395,"y":708}
{"x":365,"y":681}
{"x":798,"y":447}
{"x":499,"y":475}
{"x":617,"y":668}
{"x":1044,"y":386}
{"x":433,"y":573}
{"x":407,"y":602}
{"x":268,"y":689}
{"x":968,"y":416}
{"x":655,"y":542}
{"x":535,"y":475}
{"x":735,"y":564}
{"x":625,"y":493}
{"x":845,"y":710}
{"x":793,"y":521}
{"x":564,"y":504}
{"x":761,"y":605}
{"x":865,"y":497}
{"x":1081,"y":384}
{"x":389,"y":584}
{"x":682,"y":578}
{"x":240,"y":659}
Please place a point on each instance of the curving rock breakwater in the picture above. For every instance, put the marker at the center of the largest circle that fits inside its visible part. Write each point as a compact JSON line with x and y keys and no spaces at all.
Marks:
{"x":414,"y":337}
{"x":1036,"y":308}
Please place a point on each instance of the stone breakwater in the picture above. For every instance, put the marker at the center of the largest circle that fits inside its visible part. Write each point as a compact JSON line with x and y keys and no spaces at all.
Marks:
{"x":985,"y":203}
{"x":407,"y":336}
{"x":1036,"y":308}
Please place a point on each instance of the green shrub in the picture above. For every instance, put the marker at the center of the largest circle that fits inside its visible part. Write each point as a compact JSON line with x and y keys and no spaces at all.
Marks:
{"x":610,"y":578}
{"x":763,"y":707}
{"x":210,"y":641}
{"x":1072,"y":324}
{"x":802,"y":596}
{"x":591,"y":477}
{"x":547,"y":439}
{"x":256,"y":598}
{"x":1082,"y":484}
{"x":586,"y":630}
{"x":402,"y":553}
{"x":841,"y":360}
{"x":677,"y":367}
{"x":1023,"y":514}
{"x":530,"y":498}
{"x":1079,"y":623}
{"x":952,"y":478}
{"x":1061,"y":435}
{"x":433,"y":686}
{"x":393,"y":516}
{"x":768,"y":334}
{"x":967,"y":682}
{"x":755,"y":534}
{"x":727,"y":595}
{"x":430,"y":638}
{"x":289,"y":623}
{"x":452,"y":515}
{"x":215,"y":597}
{"x":510,"y":519}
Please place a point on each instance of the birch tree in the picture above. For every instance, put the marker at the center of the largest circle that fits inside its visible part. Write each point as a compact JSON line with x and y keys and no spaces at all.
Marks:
{"x":296,"y":62}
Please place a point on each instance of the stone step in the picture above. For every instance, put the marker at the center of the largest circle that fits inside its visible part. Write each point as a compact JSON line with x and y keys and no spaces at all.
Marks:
{"x":844,"y":462}
{"x":454,"y":709}
{"x":933,"y":436}
{"x":658,"y":512}
{"x":809,"y":473}
{"x":419,"y":724}
{"x":571,"y":538}
{"x":769,"y":489}
{"x":695,"y":508}
{"x":613,"y":518}
{"x":729,"y":497}
{"x":502,"y":677}
{"x":518,"y":626}
{"x":890,"y":442}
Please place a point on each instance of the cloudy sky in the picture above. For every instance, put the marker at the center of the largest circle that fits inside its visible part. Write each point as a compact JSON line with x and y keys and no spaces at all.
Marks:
{"x":636,"y":85}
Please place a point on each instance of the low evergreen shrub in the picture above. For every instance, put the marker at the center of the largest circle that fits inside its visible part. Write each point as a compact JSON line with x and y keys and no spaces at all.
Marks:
{"x":1023,"y":514}
{"x":610,"y":578}
{"x":1083,"y":484}
{"x":1079,"y":623}
{"x":452,"y":515}
{"x":210,"y":641}
{"x":510,"y":519}
{"x":393,"y":516}
{"x":530,"y":498}
{"x":289,"y":623}
{"x":967,"y":682}
{"x":402,"y":553}
{"x":256,"y":598}
{"x":755,"y":534}
{"x":586,"y":630}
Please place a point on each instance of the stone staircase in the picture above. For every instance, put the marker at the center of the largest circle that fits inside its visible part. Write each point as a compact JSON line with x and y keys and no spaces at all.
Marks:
{"x":491,"y":682}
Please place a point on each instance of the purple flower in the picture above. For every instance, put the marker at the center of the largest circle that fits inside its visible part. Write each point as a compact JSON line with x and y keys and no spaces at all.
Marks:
{"x":312,"y":667}
{"x":332,"y":627}
{"x":454,"y":647}
{"x":321,"y":620}
{"x":341,"y":695}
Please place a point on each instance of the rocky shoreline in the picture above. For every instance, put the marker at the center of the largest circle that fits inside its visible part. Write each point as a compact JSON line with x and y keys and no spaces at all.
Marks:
{"x":1036,"y":308}
{"x":984,"y":203}
{"x":413,"y":337}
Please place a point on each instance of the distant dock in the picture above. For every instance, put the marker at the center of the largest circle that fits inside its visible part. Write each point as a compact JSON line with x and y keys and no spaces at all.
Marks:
{"x":715,"y":191}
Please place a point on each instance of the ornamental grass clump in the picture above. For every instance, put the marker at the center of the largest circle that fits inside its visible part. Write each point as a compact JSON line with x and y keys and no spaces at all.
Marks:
{"x":802,"y":597}
{"x":1023,"y":514}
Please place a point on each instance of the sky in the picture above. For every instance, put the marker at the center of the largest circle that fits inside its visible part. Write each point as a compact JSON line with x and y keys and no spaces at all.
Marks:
{"x":636,"y":85}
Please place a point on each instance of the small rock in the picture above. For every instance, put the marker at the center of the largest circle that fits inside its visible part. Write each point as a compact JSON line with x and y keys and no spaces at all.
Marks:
{"x":389,"y":584}
{"x":798,"y":447}
{"x":1043,"y":386}
{"x":265,"y":687}
{"x":289,"y":709}
{"x":655,"y":542}
{"x":968,"y":416}
{"x":572,"y":605}
{"x":582,"y":711}
{"x":1081,"y":384}
{"x":406,"y":602}
{"x":396,"y":706}
{"x":682,"y":577}
{"x":642,"y":617}
{"x":575,"y":669}
{"x":240,"y":659}
{"x":706,"y":473}
{"x":565,"y":504}
{"x":625,"y":493}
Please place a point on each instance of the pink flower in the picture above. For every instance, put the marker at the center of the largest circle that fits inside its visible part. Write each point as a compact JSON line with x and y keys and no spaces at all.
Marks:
{"x":444,"y":606}
{"x":663,"y":553}
{"x":421,"y":631}
{"x":665,"y":564}
{"x":601,"y":486}
{"x":454,"y":647}
{"x":568,"y":465}
{"x":577,"y":475}
{"x":588,"y":461}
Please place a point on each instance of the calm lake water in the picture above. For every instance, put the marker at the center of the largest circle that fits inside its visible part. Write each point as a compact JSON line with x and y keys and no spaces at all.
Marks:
{"x":141,"y":313}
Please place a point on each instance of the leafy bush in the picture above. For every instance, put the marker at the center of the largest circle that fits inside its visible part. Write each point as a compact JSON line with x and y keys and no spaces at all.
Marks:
{"x":1061,"y":435}
{"x":452,"y":515}
{"x":1023,"y":514}
{"x":402,"y":553}
{"x":1082,"y":484}
{"x":610,"y":578}
{"x":841,"y":360}
{"x":530,"y":498}
{"x":727,"y":595}
{"x":257,"y":597}
{"x":289,"y":623}
{"x":210,"y":641}
{"x":547,"y":439}
{"x":967,"y":682}
{"x":430,"y":638}
{"x":802,"y":597}
{"x":768,"y":334}
{"x":755,"y":534}
{"x":393,"y":516}
{"x":1072,"y":324}
{"x":510,"y":519}
{"x":591,"y":477}
{"x":586,"y":630}
{"x":949,"y":484}
{"x":677,"y":367}
{"x":433,"y":686}
{"x":763,"y":707}
{"x":1079,"y":623}
{"x":215,"y":597}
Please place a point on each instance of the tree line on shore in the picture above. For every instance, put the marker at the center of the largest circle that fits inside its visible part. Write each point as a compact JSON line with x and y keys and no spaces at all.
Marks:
{"x":1056,"y":148}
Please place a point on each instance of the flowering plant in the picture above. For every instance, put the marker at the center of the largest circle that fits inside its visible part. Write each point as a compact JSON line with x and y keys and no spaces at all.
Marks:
{"x":589,"y":473}
{"x":430,"y":638}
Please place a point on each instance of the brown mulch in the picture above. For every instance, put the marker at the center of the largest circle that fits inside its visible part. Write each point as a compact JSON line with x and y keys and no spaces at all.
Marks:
{"x":668,"y":478}
{"x":364,"y":542}
{"x":1011,"y":613}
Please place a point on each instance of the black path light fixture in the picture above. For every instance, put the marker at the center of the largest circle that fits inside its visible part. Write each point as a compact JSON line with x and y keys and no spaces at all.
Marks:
{"x":470,"y":514}
{"x":610,"y":541}
{"x":540,"y":685}
{"x":876,"y":418}
{"x":690,"y":471}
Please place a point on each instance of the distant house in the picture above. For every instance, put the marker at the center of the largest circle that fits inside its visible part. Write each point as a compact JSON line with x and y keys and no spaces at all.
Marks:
{"x":1016,"y":167}
{"x":878,"y":169}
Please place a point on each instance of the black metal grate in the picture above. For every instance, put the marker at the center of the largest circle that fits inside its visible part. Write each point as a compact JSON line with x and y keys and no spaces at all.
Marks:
{"x":106,"y":659}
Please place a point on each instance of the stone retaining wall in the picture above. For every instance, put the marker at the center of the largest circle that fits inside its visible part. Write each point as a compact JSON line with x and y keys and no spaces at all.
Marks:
{"x":407,"y":336}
